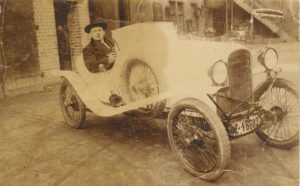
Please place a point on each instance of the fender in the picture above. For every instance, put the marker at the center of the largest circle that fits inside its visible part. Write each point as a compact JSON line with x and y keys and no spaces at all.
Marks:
{"x":81,"y":88}
{"x":198,"y":93}
{"x":267,"y":83}
{"x":92,"y":101}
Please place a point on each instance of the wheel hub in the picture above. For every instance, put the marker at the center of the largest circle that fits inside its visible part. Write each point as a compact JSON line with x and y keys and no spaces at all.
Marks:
{"x":278,"y":114}
{"x":199,"y":143}
{"x":193,"y":134}
{"x":73,"y":104}
{"x":141,"y":89}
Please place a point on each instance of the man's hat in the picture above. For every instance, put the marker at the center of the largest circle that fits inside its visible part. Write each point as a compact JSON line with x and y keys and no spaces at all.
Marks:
{"x":88,"y":28}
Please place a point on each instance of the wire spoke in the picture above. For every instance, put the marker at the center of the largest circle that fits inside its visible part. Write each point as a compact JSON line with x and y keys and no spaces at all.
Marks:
{"x":142,"y":83}
{"x":193,"y":140}
{"x":284,"y":103}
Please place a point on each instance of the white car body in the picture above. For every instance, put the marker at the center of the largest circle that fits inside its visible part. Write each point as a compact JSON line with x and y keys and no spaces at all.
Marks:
{"x":181,"y":66}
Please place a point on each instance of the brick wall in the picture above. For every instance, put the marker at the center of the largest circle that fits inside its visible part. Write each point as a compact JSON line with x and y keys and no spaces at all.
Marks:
{"x":31,"y":45}
{"x":78,"y":18}
{"x":47,"y":47}
{"x":46,"y":34}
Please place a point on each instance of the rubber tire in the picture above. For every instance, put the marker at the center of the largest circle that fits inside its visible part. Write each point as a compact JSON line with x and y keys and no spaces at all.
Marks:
{"x":281,"y":83}
{"x":160,"y":105}
{"x":216,"y":125}
{"x":82,"y":108}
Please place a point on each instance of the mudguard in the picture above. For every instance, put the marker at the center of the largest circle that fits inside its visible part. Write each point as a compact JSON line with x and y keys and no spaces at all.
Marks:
{"x":195,"y":92}
{"x":91,"y":100}
{"x":268,"y":83}
{"x":81,"y":88}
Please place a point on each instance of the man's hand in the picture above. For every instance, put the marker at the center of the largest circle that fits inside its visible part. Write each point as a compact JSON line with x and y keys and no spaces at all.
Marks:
{"x":101,"y":68}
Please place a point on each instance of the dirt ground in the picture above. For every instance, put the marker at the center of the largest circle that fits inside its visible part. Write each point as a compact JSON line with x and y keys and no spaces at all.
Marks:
{"x":38,"y":148}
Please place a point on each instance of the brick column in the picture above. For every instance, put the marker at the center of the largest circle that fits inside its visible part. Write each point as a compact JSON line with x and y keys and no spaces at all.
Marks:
{"x":44,"y":18}
{"x":77,"y":20}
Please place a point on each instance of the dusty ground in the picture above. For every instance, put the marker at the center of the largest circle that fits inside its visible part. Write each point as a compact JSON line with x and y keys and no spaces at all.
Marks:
{"x":38,"y":148}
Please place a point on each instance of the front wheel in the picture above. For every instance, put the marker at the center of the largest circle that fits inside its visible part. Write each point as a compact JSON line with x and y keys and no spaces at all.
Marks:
{"x":283,"y":100}
{"x":72,"y":107}
{"x":198,"y":139}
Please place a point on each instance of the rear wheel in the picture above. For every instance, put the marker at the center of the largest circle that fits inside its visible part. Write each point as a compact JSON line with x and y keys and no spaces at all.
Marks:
{"x":72,"y":107}
{"x":198,"y":139}
{"x":140,"y":82}
{"x":283,"y":101}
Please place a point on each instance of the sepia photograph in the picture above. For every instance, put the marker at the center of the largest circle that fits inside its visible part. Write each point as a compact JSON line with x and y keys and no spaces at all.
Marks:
{"x":149,"y":92}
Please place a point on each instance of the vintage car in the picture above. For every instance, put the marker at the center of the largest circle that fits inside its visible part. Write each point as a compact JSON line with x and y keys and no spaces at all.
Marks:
{"x":205,"y":87}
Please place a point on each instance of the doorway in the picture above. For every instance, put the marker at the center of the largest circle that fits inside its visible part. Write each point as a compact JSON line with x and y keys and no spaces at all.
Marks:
{"x":124,"y":12}
{"x":62,"y":10}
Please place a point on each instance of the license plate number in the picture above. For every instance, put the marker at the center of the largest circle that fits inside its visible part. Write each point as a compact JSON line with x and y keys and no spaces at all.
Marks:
{"x":245,"y":125}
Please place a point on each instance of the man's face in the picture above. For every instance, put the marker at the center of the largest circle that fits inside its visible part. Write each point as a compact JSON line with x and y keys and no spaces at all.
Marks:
{"x":97,"y":33}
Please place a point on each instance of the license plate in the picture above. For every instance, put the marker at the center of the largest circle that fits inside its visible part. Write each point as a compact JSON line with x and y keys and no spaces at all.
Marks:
{"x":245,"y":125}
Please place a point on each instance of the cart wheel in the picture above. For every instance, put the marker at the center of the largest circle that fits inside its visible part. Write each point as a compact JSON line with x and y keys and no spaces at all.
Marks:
{"x":198,"y":139}
{"x":72,"y":107}
{"x":141,"y":82}
{"x":283,"y":100}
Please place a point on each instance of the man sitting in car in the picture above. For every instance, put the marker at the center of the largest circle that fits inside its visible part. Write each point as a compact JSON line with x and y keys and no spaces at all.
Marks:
{"x":99,"y":55}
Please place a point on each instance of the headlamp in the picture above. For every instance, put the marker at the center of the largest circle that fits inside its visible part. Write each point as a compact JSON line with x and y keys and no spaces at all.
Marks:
{"x":218,"y":72}
{"x":268,"y":58}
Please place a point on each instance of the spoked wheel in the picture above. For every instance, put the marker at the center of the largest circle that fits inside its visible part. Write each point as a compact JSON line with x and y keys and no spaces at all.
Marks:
{"x":282,"y":131}
{"x":72,"y":107}
{"x":141,"y":82}
{"x":198,"y":139}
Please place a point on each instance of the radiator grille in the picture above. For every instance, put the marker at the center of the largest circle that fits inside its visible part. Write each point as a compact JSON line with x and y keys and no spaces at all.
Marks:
{"x":240,"y":78}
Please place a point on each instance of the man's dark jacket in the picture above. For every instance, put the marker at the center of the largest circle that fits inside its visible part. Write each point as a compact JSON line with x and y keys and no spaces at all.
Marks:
{"x":96,"y":53}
